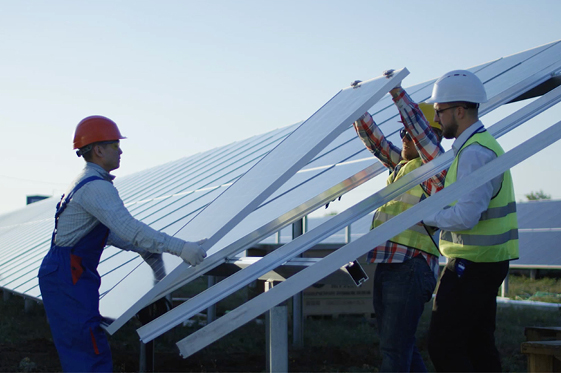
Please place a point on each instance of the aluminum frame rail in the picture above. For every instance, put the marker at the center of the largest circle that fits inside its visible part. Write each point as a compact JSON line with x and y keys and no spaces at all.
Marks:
{"x":287,"y":158}
{"x":277,"y":257}
{"x":305,"y":278}
{"x":183,"y":274}
{"x":178,"y":278}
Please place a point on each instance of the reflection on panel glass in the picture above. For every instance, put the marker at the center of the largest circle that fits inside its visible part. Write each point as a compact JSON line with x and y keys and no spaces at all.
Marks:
{"x":169,"y":196}
{"x":501,"y":67}
{"x":286,"y":159}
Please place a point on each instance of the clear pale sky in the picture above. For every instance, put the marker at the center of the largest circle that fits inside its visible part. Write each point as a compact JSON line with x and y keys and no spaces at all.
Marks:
{"x":181,"y":77}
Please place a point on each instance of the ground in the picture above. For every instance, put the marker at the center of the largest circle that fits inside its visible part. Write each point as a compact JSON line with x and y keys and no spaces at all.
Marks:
{"x":343,"y":344}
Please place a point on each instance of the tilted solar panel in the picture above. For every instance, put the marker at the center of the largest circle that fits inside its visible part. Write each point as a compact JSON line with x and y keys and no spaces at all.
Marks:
{"x":169,"y":196}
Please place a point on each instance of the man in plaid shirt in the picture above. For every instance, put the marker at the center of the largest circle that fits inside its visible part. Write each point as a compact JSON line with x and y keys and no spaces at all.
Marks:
{"x":407,"y":268}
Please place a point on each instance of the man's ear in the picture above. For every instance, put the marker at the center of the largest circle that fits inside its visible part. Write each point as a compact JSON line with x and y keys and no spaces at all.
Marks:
{"x":96,"y":149}
{"x":461,"y":112}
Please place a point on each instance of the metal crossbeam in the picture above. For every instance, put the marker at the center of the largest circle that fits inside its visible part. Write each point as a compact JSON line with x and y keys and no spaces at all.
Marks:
{"x":300,"y":281}
{"x":251,"y":189}
{"x":185,"y":274}
{"x":303,"y":243}
{"x":287,"y":158}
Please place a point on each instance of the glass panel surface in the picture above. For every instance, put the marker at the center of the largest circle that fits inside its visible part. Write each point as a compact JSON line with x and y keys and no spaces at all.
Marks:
{"x":29,"y":229}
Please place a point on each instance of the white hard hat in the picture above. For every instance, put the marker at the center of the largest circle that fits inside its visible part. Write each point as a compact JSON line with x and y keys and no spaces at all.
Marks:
{"x":458,"y":85}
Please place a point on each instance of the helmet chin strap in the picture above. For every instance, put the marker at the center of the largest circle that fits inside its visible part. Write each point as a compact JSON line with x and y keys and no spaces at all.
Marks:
{"x":80,"y":152}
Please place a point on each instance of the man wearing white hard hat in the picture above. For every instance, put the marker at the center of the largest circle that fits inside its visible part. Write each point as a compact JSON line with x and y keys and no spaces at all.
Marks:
{"x":479,"y":235}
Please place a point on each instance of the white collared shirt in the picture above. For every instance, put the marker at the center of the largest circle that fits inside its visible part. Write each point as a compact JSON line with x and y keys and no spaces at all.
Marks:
{"x":465,"y":214}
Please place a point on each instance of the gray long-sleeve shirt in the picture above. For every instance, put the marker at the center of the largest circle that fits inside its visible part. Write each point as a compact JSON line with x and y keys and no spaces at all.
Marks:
{"x":98,"y":201}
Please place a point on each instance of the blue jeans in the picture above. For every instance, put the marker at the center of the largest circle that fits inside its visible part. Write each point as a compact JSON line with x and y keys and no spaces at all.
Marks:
{"x":400,"y":293}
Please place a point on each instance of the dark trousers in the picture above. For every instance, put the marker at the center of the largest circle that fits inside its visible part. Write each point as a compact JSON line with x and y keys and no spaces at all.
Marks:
{"x":400,"y":293}
{"x":462,"y":329}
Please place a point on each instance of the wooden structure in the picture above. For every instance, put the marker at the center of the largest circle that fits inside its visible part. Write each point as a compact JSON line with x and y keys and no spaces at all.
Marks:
{"x":543,"y":348}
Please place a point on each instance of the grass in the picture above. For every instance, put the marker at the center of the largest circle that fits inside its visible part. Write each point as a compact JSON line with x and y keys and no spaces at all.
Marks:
{"x":344,"y":344}
{"x":546,"y":289}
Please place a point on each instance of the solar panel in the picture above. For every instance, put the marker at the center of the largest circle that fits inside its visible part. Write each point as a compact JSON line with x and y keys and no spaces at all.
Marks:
{"x":539,"y":225}
{"x":302,"y":243}
{"x":270,"y":173}
{"x":539,"y":234}
{"x":169,"y":196}
{"x":539,"y":214}
{"x":285,"y":159}
{"x":297,"y":283}
{"x":520,"y":81}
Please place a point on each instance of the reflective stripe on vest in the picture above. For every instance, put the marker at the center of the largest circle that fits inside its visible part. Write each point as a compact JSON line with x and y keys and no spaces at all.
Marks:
{"x":415,"y":236}
{"x":495,"y":237}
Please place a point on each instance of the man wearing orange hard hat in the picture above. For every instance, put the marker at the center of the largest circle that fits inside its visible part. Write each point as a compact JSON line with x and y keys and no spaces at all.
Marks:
{"x":407,"y":264}
{"x":90,"y":216}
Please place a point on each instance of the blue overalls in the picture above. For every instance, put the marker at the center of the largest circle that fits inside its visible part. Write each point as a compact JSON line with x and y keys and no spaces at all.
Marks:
{"x":69,"y":284}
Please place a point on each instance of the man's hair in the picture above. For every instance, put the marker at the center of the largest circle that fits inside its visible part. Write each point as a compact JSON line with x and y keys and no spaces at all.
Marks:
{"x":471,"y":107}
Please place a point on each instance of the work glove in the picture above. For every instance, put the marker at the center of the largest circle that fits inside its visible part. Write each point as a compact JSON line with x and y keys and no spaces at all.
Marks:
{"x":192,"y":252}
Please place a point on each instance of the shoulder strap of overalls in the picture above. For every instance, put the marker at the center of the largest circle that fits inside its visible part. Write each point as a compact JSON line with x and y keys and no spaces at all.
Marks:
{"x":61,"y":206}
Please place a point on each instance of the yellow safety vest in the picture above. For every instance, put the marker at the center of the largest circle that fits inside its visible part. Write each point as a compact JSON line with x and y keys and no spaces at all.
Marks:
{"x":415,"y":236}
{"x":495,"y":237}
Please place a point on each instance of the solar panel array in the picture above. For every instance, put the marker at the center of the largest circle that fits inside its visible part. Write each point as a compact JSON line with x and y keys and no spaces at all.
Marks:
{"x":308,"y":276}
{"x":167,"y":197}
{"x":539,"y":225}
{"x":539,"y":234}
{"x":505,"y":79}
{"x":360,"y":246}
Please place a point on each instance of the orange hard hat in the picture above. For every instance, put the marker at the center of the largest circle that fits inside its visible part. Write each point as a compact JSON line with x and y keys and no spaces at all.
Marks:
{"x":94,"y":129}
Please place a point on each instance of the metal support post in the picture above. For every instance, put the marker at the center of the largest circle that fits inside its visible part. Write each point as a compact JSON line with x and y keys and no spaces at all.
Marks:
{"x":276,"y":332}
{"x":308,"y":276}
{"x":298,"y":229}
{"x":504,"y":287}
{"x":348,"y":234}
{"x":533,"y":274}
{"x":146,"y":362}
{"x":211,"y":311}
{"x":147,"y":356}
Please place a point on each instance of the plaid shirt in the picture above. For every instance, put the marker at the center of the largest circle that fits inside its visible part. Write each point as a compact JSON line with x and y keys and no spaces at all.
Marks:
{"x":428,"y":146}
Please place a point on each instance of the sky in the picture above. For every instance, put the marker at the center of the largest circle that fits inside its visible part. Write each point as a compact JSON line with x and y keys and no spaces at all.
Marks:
{"x":182,"y":77}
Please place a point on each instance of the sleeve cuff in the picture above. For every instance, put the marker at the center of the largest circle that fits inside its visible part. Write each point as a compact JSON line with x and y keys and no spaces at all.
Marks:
{"x":396,"y":93}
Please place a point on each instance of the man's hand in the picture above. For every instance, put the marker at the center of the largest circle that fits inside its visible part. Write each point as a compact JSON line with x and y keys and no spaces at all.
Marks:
{"x":193,"y":253}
